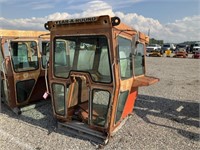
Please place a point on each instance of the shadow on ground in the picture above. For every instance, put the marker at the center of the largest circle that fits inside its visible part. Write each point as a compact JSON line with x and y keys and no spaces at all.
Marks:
{"x":40,"y":117}
{"x":182,"y":112}
{"x":186,"y":113}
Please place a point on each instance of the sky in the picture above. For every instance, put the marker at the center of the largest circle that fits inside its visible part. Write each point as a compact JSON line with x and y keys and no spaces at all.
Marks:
{"x":173,"y":21}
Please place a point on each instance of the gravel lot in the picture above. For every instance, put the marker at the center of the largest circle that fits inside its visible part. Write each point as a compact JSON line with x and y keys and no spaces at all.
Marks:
{"x":166,"y":116}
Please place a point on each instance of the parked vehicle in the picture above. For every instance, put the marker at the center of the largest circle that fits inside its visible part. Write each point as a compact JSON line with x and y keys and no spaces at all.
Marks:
{"x":155,"y":54}
{"x":182,"y":46}
{"x":168,"y":53}
{"x":153,"y":47}
{"x":196,"y":47}
{"x":22,"y":67}
{"x":181,"y":53}
{"x":168,"y":46}
{"x":196,"y":54}
{"x":191,"y":48}
{"x":94,"y":74}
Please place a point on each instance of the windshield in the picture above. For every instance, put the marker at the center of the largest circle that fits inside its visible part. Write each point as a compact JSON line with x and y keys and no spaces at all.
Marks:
{"x":166,"y":45}
{"x":152,"y":45}
{"x":181,"y":46}
{"x":82,"y":53}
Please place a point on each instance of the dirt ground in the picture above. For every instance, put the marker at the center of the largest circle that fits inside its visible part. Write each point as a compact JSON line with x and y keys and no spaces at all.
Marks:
{"x":166,"y":116}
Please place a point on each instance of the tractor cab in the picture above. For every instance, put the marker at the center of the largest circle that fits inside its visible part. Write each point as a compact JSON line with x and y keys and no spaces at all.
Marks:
{"x":23,"y":67}
{"x":96,"y":65}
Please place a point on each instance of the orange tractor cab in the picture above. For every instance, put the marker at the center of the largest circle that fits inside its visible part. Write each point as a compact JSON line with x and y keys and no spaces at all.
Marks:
{"x":23,"y":64}
{"x":96,"y":66}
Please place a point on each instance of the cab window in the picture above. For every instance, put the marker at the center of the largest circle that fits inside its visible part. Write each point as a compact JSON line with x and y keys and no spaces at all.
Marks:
{"x":45,"y":53}
{"x":139,"y":60}
{"x":24,"y":55}
{"x":82,"y":53}
{"x":125,"y":57}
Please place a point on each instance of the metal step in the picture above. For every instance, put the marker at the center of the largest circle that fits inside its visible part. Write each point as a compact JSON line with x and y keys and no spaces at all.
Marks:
{"x":82,"y":130}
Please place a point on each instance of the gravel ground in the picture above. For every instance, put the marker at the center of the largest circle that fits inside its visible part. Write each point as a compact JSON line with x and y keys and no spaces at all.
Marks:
{"x":166,"y":116}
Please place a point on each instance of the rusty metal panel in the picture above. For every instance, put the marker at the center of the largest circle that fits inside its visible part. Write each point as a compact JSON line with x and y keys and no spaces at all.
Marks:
{"x":13,"y":77}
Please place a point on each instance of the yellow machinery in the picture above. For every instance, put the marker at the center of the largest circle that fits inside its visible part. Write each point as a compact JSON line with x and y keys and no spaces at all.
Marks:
{"x":155,"y":54}
{"x":168,"y":53}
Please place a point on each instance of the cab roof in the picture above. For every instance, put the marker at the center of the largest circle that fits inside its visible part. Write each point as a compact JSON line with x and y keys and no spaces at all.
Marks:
{"x":94,"y":22}
{"x":22,"y":33}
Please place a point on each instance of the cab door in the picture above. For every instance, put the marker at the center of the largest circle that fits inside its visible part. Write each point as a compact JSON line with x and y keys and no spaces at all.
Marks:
{"x":25,"y":68}
{"x":127,"y":94}
{"x":82,"y":83}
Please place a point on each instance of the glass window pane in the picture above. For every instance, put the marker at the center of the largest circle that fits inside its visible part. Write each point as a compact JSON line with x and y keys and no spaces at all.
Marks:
{"x":24,"y":56}
{"x":45,"y":53}
{"x":4,"y":53}
{"x":120,"y":106}
{"x":104,"y":68}
{"x":6,"y":49}
{"x":83,"y":53}
{"x":86,"y":57}
{"x":63,"y":57}
{"x":59,"y":98}
{"x":100,"y":107}
{"x":125,"y":57}
{"x":139,"y":60}
{"x":24,"y":89}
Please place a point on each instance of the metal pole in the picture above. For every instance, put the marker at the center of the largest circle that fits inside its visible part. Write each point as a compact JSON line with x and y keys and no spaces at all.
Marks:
{"x":149,"y":32}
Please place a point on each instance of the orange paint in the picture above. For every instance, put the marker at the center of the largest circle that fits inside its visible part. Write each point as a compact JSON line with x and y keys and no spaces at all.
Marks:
{"x":128,"y":108}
